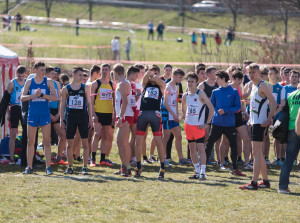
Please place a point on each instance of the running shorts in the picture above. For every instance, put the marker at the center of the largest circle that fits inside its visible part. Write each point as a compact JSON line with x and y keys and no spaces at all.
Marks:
{"x":152,"y":118}
{"x":257,"y":133}
{"x":193,"y":133}
{"x":54,"y":111}
{"x":129,"y":119}
{"x":239,"y":120}
{"x":15,"y":116}
{"x":104,"y":118}
{"x":77,"y":120}
{"x":170,"y":124}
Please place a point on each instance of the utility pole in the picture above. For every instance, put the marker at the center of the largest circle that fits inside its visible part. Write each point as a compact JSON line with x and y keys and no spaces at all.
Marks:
{"x":181,"y":13}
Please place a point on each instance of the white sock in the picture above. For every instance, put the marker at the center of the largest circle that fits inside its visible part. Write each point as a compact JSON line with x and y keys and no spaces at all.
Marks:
{"x":134,"y":158}
{"x":197,"y":168}
{"x":203,"y":169}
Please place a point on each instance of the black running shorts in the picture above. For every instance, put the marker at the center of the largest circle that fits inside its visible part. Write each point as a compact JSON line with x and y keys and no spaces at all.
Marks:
{"x":77,"y":120}
{"x":54,"y":111}
{"x":104,"y":118}
{"x":239,"y":120}
{"x":15,"y":116}
{"x":257,"y":133}
{"x":151,"y":118}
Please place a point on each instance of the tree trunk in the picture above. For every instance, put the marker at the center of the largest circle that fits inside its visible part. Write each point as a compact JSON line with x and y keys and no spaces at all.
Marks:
{"x":286,"y":20}
{"x":91,"y":10}
{"x":234,"y":13}
{"x":6,"y":6}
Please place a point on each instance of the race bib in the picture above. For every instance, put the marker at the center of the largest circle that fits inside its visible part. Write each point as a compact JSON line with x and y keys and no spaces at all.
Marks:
{"x":38,"y":99}
{"x":18,"y":96}
{"x":105,"y":94}
{"x":192,"y":110}
{"x":132,"y":101}
{"x":76,"y":102}
{"x":152,"y":93}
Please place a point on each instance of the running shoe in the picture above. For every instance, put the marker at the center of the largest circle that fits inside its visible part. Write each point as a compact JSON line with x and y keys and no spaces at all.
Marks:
{"x":167,"y":164}
{"x":223,"y":167}
{"x":18,"y":162}
{"x":51,"y":163}
{"x":250,"y":186}
{"x":241,"y":162}
{"x":152,"y":159}
{"x":161,"y":174}
{"x":248,"y":166}
{"x":109,"y":161}
{"x":105,"y":163}
{"x":284,"y":191}
{"x":268,"y":161}
{"x":124,"y":172}
{"x":202,"y":177}
{"x":61,"y":162}
{"x":194,"y":177}
{"x":39,"y":159}
{"x":118,"y":172}
{"x":12,"y":162}
{"x":133,"y":163}
{"x":279,"y":163}
{"x":28,"y":170}
{"x":212,"y":162}
{"x":69,"y":170}
{"x":49,"y":171}
{"x":264,"y":184}
{"x":146,"y":161}
{"x":238,"y":173}
{"x":84,"y":171}
{"x":93,"y":163}
{"x":169,"y":160}
{"x":138,"y":172}
{"x":295,"y":163}
{"x":184,"y":161}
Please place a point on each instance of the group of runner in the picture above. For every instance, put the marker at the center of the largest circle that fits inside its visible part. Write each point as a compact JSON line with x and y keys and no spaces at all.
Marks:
{"x":220,"y":109}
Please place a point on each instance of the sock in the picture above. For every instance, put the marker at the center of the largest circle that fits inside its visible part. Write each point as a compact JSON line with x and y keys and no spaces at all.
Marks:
{"x":94,"y":156}
{"x":150,"y":156}
{"x":253,"y":182}
{"x":102,"y":157}
{"x":266,"y":181}
{"x":144,"y":157}
{"x":139,"y":165}
{"x":282,"y":159}
{"x":133,"y":158}
{"x":266,"y":157}
{"x":162,"y":165}
{"x":58,"y":158}
{"x":203,"y":167}
{"x":78,"y":159}
{"x":197,"y":168}
{"x":239,"y":158}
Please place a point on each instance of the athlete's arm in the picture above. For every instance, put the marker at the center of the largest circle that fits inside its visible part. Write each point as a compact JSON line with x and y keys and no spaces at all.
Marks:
{"x":24,"y":95}
{"x":204,"y":98}
{"x":183,"y":106}
{"x":89,"y":105}
{"x":297,"y":123}
{"x":124,"y":89}
{"x":279,"y":109}
{"x":166,"y":103}
{"x":146,"y":78}
{"x":236,"y":104}
{"x":272,"y":103}
{"x":52,"y":96}
{"x":64,"y":95}
{"x":92,"y":97}
{"x":201,"y":86}
{"x":159,"y":82}
{"x":114,"y":108}
{"x":59,"y":100}
{"x":10,"y":87}
{"x":247,"y":90}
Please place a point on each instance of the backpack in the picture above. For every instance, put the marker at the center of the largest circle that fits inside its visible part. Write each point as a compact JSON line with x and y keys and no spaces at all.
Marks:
{"x":4,"y":146}
{"x":281,"y":126}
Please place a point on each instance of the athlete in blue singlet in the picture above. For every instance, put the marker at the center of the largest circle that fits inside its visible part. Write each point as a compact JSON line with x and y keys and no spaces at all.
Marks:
{"x":39,"y":91}
{"x":15,"y":87}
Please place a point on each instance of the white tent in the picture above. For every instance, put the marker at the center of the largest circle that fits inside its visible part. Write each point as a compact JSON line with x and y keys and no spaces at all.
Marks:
{"x":8,"y":63}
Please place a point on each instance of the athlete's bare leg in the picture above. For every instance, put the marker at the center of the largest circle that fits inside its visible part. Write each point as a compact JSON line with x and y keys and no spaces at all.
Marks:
{"x":123,"y":143}
{"x":46,"y":130}
{"x":31,"y":134}
{"x":12,"y":142}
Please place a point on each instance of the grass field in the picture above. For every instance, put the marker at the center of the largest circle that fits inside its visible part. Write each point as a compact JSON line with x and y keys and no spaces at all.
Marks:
{"x":105,"y":197}
{"x":142,"y":49}
{"x":246,"y":23}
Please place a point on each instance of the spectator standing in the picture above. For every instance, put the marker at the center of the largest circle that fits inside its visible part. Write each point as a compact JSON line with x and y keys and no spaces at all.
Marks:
{"x":218,"y":41}
{"x":150,"y":30}
{"x":194,"y":42}
{"x":115,"y":47}
{"x":77,"y":27}
{"x":127,"y":48}
{"x":203,"y":42}
{"x":18,"y":19}
{"x":160,"y":31}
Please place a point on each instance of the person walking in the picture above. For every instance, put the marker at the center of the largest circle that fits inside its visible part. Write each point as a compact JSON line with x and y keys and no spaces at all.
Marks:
{"x":160,"y":31}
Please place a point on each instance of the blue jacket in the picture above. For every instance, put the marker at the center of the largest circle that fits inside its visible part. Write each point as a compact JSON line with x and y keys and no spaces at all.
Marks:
{"x":229,"y":100}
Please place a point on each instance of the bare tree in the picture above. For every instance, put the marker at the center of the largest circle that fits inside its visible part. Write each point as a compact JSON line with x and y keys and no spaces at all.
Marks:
{"x":7,"y":5}
{"x":234,"y":6}
{"x":48,"y":5}
{"x":90,"y":3}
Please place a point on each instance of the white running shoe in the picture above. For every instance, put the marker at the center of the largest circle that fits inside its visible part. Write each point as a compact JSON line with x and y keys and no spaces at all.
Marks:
{"x":223,"y":167}
{"x":268,"y":162}
{"x":248,"y":166}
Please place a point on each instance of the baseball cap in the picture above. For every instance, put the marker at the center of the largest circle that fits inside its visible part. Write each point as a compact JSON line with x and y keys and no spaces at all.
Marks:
{"x":57,"y":70}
